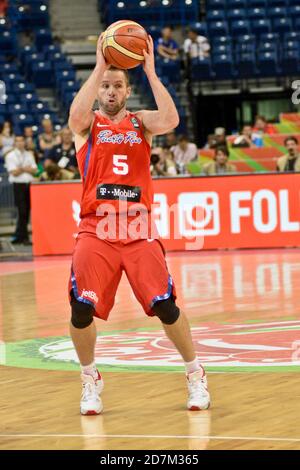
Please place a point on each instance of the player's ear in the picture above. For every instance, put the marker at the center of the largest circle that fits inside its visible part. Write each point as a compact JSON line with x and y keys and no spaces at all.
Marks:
{"x":128,"y":93}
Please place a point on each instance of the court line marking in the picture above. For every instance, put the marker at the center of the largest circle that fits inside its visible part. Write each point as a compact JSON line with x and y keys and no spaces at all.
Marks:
{"x":154,"y":436}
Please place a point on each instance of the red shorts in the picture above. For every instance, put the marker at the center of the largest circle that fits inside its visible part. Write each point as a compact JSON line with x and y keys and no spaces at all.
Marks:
{"x":97,"y":268}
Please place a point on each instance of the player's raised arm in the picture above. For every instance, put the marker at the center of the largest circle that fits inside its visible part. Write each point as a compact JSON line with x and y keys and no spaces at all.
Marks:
{"x":166,"y":116}
{"x":81,"y":114}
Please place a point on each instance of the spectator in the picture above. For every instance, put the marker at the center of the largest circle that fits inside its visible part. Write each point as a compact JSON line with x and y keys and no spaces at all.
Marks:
{"x":196,"y":46}
{"x":165,"y":46}
{"x":63,"y":154}
{"x":6,"y":138}
{"x":184,"y":152}
{"x":290,"y":161}
{"x":170,"y":139}
{"x":244,"y":140}
{"x":21,"y":167}
{"x":217,"y":139}
{"x":261,"y":127}
{"x":3,"y":8}
{"x":162,"y":161}
{"x":54,"y":173}
{"x":48,"y":139}
{"x":30,"y":140}
{"x":220,"y":165}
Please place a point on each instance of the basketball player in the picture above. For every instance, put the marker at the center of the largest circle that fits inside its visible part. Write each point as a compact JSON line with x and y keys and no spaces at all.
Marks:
{"x":113,"y":152}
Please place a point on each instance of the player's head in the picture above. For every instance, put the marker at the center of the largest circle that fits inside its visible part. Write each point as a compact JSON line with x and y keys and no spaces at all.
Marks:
{"x":114,"y":90}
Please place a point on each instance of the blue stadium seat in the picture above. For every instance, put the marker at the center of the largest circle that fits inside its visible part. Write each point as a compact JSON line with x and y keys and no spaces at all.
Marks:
{"x":9,"y":68}
{"x":282,"y":25}
{"x":29,"y":98}
{"x":223,"y":67}
{"x":218,"y":28}
{"x":22,"y":120}
{"x":246,"y":65}
{"x":256,"y":13}
{"x":8,"y":42}
{"x":63,"y":65}
{"x":296,"y":24}
{"x":48,"y":48}
{"x":290,"y":63}
{"x":294,"y":11}
{"x":201,"y":69}
{"x":12,"y":78}
{"x":270,"y":37}
{"x":240,"y":27}
{"x":201,"y":28}
{"x":170,"y":69}
{"x":277,"y":3}
{"x":294,"y":2}
{"x":42,"y":74}
{"x":154,"y":31}
{"x":268,"y":64}
{"x":256,"y":3}
{"x":259,"y":27}
{"x":292,"y":36}
{"x":231,"y":4}
{"x":215,"y":4}
{"x":222,"y":49}
{"x":62,"y":75}
{"x":215,"y":15}
{"x":291,"y":45}
{"x":267,"y":46}
{"x":277,"y":12}
{"x":221,"y":40}
{"x":18,"y":108}
{"x":43,"y":37}
{"x":40,"y":107}
{"x":236,"y":14}
{"x":23,"y":87}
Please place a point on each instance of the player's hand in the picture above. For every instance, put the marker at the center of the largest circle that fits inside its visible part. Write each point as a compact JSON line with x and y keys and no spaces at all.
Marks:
{"x":101,"y":62}
{"x":149,"y":63}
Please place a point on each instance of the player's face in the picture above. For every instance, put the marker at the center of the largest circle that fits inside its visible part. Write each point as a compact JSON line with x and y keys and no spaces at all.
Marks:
{"x":113,"y":92}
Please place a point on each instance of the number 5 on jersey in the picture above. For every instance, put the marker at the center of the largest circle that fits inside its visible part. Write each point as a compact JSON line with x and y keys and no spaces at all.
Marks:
{"x":119,"y":165}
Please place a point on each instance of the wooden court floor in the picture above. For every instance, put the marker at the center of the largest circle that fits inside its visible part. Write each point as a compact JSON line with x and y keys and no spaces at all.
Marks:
{"x":244,"y":311}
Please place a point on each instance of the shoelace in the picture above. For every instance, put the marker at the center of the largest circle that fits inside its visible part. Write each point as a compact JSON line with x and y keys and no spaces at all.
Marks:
{"x":198,"y":387}
{"x":88,"y":391}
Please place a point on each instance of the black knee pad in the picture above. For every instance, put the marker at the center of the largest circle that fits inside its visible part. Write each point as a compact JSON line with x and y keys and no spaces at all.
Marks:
{"x":167,"y":311}
{"x":82,"y":313}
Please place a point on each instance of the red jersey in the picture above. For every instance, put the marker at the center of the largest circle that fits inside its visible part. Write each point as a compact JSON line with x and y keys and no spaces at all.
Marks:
{"x":115,"y":166}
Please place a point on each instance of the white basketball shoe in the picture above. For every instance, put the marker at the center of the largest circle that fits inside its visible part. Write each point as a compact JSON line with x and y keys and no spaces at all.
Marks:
{"x":199,"y":398}
{"x":91,"y":403}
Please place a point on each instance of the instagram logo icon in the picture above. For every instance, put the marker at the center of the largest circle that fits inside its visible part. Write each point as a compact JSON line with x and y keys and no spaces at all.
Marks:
{"x":199,"y":214}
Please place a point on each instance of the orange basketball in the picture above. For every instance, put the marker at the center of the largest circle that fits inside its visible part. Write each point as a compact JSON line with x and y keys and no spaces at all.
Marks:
{"x":123,"y":45}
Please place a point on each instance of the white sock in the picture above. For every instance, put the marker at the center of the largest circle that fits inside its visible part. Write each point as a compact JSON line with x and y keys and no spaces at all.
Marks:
{"x":91,"y":369}
{"x":192,"y":366}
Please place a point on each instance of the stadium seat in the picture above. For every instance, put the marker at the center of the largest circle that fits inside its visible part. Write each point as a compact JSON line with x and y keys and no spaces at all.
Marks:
{"x":282,"y":25}
{"x":290,"y":63}
{"x":246,"y":65}
{"x":236,"y":14}
{"x":221,"y":40}
{"x":201,"y":28}
{"x":23,"y":87}
{"x":257,"y":13}
{"x":268,"y":64}
{"x":259,"y":27}
{"x":240,"y":27}
{"x":277,"y":12}
{"x":215,"y":4}
{"x":42,"y":74}
{"x":43,"y":37}
{"x":40,"y":107}
{"x":29,"y":98}
{"x":215,"y":15}
{"x":231,"y":4}
{"x":22,"y":120}
{"x":18,"y":108}
{"x":223,"y":68}
{"x":201,"y":69}
{"x":218,"y":28}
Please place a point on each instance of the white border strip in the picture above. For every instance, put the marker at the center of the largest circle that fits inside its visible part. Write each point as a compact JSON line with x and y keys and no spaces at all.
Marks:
{"x":154,"y":436}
